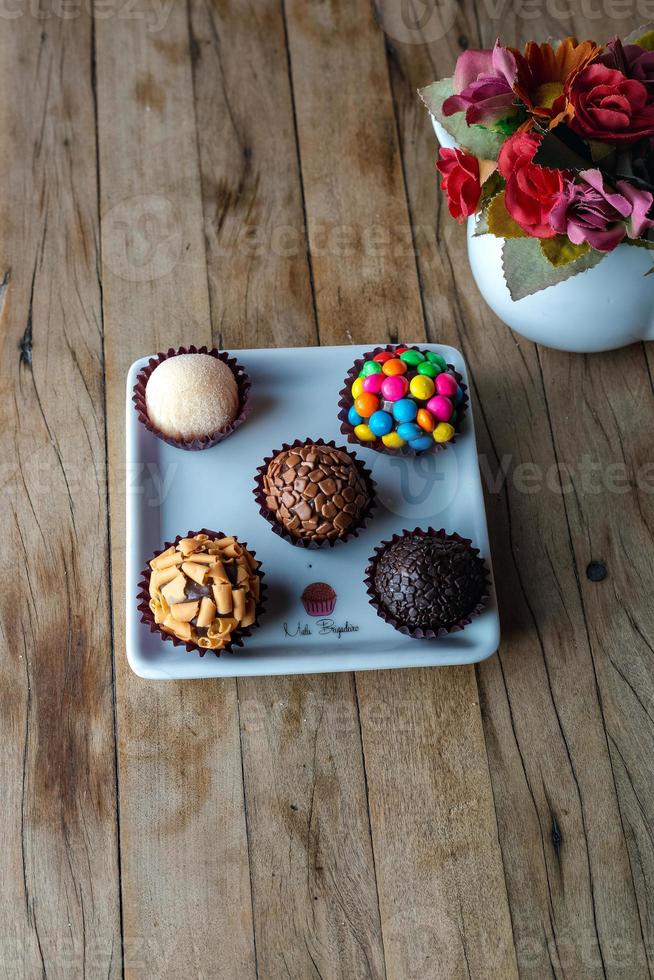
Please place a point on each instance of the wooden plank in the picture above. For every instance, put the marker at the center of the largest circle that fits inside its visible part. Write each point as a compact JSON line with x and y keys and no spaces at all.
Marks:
{"x":313,"y":884}
{"x":260,"y":286}
{"x":605,"y":445}
{"x":435,"y":913}
{"x":442,"y":889}
{"x":59,"y":915}
{"x":186,"y":890}
{"x":574,"y":910}
{"x":360,"y":238}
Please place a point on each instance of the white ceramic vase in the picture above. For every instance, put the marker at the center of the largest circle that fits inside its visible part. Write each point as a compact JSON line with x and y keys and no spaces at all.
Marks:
{"x":606,"y":307}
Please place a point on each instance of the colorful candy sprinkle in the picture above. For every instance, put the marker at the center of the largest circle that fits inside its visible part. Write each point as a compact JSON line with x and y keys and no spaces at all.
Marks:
{"x":405,"y":410}
{"x":357,"y":387}
{"x":381,"y":423}
{"x":437,"y":359}
{"x":366,"y":404}
{"x":412,"y":357}
{"x":428,"y":368}
{"x":446,"y":385}
{"x":409,"y":431}
{"x":364,"y":433}
{"x":421,"y":387}
{"x":394,"y":366}
{"x":370,"y":367}
{"x":441,"y":408}
{"x":373,"y":383}
{"x":393,"y":441}
{"x":421,"y":444}
{"x":394,"y":388}
{"x":405,"y":397}
{"x":425,"y":420}
{"x":443,"y":432}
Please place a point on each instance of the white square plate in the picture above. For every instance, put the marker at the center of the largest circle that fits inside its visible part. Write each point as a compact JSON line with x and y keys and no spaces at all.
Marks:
{"x":295,"y":396}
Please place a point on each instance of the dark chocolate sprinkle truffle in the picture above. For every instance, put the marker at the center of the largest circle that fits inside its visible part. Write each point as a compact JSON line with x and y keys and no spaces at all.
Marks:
{"x":429,"y":582}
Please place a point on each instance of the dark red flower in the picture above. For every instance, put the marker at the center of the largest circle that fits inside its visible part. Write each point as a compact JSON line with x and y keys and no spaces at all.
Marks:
{"x":531,"y":191}
{"x":609,"y":107}
{"x":460,"y":182}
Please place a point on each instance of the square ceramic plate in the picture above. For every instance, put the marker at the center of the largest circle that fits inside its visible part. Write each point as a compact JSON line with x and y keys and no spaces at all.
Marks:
{"x":295,"y":396}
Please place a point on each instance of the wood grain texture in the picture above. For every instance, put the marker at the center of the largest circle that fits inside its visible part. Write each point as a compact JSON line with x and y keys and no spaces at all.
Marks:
{"x":261,"y":173}
{"x":313,"y":884}
{"x":604,"y":452}
{"x":360,"y":238}
{"x":441,"y":884}
{"x":185,"y":877}
{"x":568,"y":868}
{"x":258,"y":262}
{"x":59,"y":915}
{"x":437,"y":919}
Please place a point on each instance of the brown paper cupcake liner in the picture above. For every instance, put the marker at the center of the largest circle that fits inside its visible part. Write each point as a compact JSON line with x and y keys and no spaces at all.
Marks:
{"x":268,"y":515}
{"x":147,"y":616}
{"x":420,"y":633}
{"x":203,"y":442}
{"x":345,"y":403}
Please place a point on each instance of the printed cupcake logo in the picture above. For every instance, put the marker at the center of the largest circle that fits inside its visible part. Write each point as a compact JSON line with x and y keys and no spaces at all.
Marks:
{"x":319,"y":599}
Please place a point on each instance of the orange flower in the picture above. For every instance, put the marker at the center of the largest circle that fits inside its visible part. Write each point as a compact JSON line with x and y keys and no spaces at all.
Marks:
{"x":544,"y":73}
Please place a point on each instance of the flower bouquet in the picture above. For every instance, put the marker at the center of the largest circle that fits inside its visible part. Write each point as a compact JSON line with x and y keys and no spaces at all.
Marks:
{"x":553,"y":152}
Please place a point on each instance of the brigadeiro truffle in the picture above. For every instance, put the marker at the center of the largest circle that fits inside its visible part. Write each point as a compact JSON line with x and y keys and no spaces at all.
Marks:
{"x":404,"y":400}
{"x":203,"y":590}
{"x":427,"y":583}
{"x":313,"y":493}
{"x":192,"y":398}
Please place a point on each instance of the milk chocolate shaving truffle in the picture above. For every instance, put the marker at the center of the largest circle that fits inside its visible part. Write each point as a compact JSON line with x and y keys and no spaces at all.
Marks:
{"x":429,"y":582}
{"x":191,"y":395}
{"x":204,"y":590}
{"x":315,"y":492}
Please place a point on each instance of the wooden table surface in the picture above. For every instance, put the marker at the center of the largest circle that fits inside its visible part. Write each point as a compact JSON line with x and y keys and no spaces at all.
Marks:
{"x":262,"y":174}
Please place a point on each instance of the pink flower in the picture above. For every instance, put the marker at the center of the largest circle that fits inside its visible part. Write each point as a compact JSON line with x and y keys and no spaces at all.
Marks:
{"x":483,"y":86}
{"x":460,"y":182}
{"x":530,"y":190}
{"x":588,"y":212}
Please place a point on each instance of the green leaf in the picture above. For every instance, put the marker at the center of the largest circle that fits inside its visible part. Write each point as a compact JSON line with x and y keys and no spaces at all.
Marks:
{"x":527,"y":271}
{"x":640,"y":243}
{"x":508,"y":126}
{"x":478,"y":140}
{"x":642,"y":36}
{"x":560,"y":251}
{"x":500,"y":222}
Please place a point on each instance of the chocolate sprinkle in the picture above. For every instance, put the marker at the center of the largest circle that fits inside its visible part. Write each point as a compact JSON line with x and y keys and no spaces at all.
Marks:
{"x":429,"y":582}
{"x":315,"y":492}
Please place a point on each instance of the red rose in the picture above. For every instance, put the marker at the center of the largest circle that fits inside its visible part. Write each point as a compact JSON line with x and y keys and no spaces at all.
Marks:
{"x":531,"y":191}
{"x":460,"y":182}
{"x":610,"y":107}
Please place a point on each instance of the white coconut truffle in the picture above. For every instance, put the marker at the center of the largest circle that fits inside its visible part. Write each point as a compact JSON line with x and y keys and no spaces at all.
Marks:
{"x":191,"y":395}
